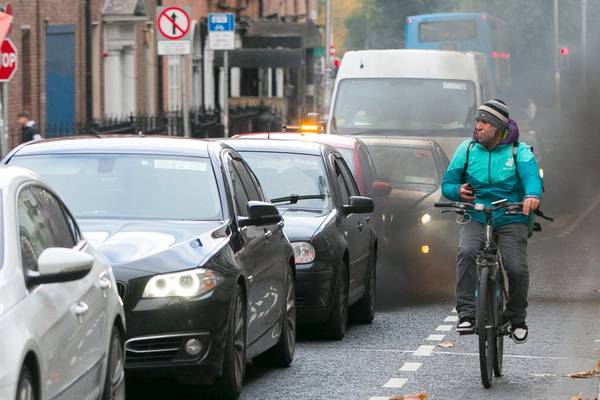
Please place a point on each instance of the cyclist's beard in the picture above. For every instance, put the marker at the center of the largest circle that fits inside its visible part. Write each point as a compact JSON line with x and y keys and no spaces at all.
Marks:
{"x":487,"y":136}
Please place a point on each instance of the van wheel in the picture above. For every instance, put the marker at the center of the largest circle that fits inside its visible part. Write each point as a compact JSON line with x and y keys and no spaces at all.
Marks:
{"x":26,"y":388}
{"x":114,"y":382}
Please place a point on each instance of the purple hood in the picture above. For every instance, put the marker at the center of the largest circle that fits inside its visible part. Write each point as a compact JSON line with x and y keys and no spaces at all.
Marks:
{"x":511,"y":136}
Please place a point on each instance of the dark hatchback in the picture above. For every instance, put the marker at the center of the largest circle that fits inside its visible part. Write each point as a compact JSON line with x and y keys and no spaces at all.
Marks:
{"x":409,"y":228}
{"x":327,"y":222}
{"x":204,"y":268}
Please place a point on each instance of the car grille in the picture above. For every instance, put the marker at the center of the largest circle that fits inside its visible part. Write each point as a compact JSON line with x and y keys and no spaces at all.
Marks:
{"x":121,"y":289}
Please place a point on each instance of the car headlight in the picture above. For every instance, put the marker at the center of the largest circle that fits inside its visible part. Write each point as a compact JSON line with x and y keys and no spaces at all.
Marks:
{"x":304,"y":252}
{"x":425,"y":219}
{"x":192,"y":283}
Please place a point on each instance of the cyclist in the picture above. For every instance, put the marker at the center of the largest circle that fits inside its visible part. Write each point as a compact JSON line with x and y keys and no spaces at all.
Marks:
{"x":494,"y":166}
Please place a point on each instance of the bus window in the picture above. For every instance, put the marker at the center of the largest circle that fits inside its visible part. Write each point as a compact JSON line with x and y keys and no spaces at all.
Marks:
{"x":443,"y":31}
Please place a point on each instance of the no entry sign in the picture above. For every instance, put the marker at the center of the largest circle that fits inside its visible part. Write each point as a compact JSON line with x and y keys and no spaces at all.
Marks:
{"x":8,"y":60}
{"x":174,"y":30}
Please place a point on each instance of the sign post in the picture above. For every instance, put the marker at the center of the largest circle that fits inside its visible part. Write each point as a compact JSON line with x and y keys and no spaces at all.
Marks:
{"x":174,"y":39}
{"x":8,"y":67}
{"x":221,"y":36}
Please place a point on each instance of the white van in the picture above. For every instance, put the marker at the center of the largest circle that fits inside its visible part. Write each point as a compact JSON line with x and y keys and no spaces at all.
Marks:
{"x":425,"y":93}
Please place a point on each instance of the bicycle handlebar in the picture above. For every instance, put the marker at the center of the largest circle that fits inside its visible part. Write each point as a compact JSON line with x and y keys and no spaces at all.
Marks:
{"x":513,"y":208}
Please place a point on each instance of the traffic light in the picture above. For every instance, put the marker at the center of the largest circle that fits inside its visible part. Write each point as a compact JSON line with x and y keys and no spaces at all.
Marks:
{"x":564,"y":60}
{"x":564,"y":51}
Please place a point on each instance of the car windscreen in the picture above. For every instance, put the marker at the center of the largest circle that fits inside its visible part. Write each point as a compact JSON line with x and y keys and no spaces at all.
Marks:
{"x":285,"y":174}
{"x":404,"y":165}
{"x":404,"y":106}
{"x":131,"y":186}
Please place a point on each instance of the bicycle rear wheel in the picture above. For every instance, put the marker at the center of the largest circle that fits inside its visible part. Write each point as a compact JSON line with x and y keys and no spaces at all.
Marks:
{"x":485,"y":328}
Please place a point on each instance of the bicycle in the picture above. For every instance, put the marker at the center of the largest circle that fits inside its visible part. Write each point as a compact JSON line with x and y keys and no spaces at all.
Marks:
{"x":492,"y":293}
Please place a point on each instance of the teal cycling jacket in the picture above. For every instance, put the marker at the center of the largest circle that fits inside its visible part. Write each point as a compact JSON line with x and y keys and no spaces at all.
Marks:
{"x":494,"y":176}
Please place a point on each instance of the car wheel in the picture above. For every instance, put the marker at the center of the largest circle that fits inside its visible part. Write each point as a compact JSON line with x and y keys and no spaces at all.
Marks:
{"x":26,"y":388}
{"x":335,"y":327}
{"x":114,"y":383}
{"x":229,"y":385}
{"x":364,"y":311}
{"x":282,"y":354}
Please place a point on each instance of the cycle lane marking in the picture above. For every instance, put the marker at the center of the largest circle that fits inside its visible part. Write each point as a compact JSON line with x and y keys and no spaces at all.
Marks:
{"x":395,"y":383}
{"x":410,"y":367}
{"x":435,"y":338}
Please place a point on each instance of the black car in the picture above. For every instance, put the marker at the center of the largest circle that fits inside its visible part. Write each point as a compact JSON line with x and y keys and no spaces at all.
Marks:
{"x":205,"y":270}
{"x":407,"y":225}
{"x":328,"y":224}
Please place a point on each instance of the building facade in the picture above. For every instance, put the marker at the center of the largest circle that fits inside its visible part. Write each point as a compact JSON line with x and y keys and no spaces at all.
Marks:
{"x":127,"y":78}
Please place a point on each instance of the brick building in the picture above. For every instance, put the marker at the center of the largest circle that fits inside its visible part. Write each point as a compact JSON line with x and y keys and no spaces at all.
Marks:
{"x":50,"y":36}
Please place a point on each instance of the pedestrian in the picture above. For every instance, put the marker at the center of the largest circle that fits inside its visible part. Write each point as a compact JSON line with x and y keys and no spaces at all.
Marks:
{"x":28,"y":130}
{"x":492,"y":167}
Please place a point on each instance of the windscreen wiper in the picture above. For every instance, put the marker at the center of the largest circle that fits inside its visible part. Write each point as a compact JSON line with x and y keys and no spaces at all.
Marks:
{"x":294,"y":198}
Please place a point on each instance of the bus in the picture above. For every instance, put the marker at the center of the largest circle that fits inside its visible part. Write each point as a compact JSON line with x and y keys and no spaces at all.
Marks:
{"x":463,"y":32}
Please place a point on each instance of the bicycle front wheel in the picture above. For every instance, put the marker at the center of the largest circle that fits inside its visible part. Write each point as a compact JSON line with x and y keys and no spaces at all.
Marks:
{"x":485,"y":328}
{"x":499,"y":308}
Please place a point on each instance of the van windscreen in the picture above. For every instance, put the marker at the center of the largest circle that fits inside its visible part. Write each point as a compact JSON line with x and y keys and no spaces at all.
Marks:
{"x":399,"y":106}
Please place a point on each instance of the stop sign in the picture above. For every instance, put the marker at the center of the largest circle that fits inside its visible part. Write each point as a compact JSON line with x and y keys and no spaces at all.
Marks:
{"x":8,"y":60}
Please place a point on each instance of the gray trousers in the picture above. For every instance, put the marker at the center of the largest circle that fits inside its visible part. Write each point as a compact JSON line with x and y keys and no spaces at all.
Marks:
{"x":512,"y":240}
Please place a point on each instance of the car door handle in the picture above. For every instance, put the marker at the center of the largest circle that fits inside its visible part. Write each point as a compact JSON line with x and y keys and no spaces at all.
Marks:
{"x":104,"y":283}
{"x":80,"y":308}
{"x":360,"y":226}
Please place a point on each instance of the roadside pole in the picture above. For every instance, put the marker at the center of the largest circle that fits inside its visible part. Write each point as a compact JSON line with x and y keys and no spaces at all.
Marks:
{"x":226,"y":93}
{"x":4,"y":139}
{"x":221,"y":36}
{"x":184,"y":100}
{"x":174,"y":39}
{"x":556,"y":59}
{"x":327,"y":80}
{"x":584,"y":47}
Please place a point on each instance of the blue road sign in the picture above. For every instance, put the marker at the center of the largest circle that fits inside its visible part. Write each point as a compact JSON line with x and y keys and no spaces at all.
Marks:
{"x":221,"y":22}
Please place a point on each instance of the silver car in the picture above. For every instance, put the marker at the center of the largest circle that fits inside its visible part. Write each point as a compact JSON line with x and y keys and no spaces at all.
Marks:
{"x":61,"y":318}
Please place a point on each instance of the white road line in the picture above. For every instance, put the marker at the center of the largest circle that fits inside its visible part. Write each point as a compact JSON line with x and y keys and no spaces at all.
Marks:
{"x":396,"y":383}
{"x":452,"y":353}
{"x":379,"y":398}
{"x":436,"y":338}
{"x":424,"y":350}
{"x":451,"y":318}
{"x":444,"y":328}
{"x":376,"y":350}
{"x":410,"y":367}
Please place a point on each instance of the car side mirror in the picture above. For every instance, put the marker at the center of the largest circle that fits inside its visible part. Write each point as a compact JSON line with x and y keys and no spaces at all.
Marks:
{"x":259,"y":214}
{"x":359,"y":205}
{"x":57,"y":264}
{"x":381,"y":189}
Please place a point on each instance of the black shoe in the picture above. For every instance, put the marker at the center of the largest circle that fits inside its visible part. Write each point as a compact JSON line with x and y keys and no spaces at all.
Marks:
{"x":519,"y":333}
{"x":466,"y":325}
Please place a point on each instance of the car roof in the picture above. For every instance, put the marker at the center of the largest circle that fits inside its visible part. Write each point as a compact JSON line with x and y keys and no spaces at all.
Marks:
{"x":128,"y":144}
{"x":333,"y":140}
{"x":275,"y":145}
{"x":398,"y":141}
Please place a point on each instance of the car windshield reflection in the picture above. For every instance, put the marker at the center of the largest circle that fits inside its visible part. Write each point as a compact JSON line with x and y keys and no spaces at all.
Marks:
{"x":131,"y":186}
{"x":285,"y":174}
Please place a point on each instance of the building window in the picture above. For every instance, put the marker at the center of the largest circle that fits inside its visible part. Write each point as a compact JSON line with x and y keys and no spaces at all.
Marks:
{"x":174,"y":83}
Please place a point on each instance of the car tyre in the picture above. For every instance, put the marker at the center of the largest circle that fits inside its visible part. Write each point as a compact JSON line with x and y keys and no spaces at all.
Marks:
{"x":26,"y":387}
{"x":114,"y":382}
{"x":335,"y":326}
{"x":363,"y":312}
{"x":282,"y":354}
{"x":229,"y":385}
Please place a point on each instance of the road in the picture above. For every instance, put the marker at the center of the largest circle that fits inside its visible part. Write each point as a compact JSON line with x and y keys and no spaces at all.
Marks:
{"x":400,"y":353}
